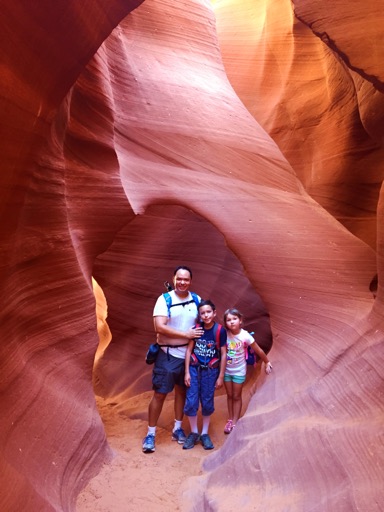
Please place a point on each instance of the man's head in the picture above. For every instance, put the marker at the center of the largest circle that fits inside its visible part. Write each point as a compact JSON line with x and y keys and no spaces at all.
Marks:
{"x":182,"y":267}
{"x":182,"y":277}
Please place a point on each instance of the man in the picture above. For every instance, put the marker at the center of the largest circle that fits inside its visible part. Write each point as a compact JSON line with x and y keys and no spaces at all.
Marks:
{"x":174,"y":324}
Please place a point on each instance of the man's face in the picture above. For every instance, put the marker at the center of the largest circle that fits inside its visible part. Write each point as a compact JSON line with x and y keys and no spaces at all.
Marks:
{"x":182,"y":281}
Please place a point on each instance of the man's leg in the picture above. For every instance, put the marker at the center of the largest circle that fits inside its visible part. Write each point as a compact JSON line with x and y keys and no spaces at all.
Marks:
{"x":155,"y":407}
{"x":179,"y":402}
{"x":154,"y":410}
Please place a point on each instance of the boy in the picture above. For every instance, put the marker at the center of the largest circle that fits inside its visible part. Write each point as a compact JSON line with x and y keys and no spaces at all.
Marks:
{"x":205,"y":363}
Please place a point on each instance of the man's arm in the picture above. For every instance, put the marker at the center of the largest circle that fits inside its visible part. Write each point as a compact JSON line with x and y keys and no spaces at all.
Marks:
{"x":162,"y":327}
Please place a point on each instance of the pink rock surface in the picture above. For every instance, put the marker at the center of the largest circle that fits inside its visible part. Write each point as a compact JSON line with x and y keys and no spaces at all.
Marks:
{"x":131,"y":144}
{"x":297,"y":77}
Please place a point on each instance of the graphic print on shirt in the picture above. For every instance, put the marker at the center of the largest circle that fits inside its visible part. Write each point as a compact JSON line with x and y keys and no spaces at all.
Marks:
{"x":234,"y":350}
{"x":205,"y":350}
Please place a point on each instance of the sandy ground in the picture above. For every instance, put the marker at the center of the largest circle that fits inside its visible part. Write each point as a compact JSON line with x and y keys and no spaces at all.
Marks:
{"x":139,"y":482}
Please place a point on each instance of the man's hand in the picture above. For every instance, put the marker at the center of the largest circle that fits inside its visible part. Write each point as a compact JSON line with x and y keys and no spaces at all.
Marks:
{"x":162,"y":327}
{"x":187,"y":379}
{"x":194,"y":332}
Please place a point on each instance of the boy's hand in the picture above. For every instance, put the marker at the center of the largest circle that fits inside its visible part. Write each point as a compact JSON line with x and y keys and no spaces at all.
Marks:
{"x":187,"y":379}
{"x":219,"y":382}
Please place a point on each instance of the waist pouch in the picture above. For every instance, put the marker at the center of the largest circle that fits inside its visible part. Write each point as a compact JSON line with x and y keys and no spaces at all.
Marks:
{"x":152,"y":353}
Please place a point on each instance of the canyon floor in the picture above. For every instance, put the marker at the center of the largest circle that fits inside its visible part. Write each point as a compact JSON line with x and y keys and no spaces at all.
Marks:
{"x":137,"y":482}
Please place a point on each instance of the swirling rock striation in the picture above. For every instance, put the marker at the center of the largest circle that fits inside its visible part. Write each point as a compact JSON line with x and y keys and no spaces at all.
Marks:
{"x":129,"y":148}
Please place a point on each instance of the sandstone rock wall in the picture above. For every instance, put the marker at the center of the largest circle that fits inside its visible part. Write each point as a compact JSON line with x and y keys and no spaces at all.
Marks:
{"x":131,"y":144}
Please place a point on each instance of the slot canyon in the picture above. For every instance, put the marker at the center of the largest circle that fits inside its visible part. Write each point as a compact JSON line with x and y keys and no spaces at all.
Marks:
{"x":243,"y":138}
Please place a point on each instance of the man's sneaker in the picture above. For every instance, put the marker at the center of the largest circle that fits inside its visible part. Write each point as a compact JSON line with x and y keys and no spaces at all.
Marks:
{"x":179,"y":436}
{"x":228,"y":427}
{"x":191,"y":440}
{"x":206,"y":442}
{"x":149,"y":443}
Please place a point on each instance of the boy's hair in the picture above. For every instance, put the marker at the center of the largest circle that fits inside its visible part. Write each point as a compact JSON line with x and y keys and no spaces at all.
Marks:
{"x":234,"y":312}
{"x":182,"y":267}
{"x":206,"y":303}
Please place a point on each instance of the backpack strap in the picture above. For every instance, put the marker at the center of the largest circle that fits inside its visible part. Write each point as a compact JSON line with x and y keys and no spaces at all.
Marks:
{"x":217,"y":327}
{"x":195,"y":298}
{"x":168,"y":300}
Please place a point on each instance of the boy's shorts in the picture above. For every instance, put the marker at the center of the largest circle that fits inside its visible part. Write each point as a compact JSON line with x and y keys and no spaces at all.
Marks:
{"x":167,"y":372}
{"x":237,"y":379}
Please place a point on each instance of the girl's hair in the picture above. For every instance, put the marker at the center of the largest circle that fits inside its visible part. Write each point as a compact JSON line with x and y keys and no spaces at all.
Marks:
{"x":182,"y":267}
{"x":234,"y":312}
{"x":206,"y":303}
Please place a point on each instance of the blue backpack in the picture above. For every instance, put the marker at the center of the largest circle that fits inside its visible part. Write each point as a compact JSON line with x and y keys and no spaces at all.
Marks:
{"x":250,"y":356}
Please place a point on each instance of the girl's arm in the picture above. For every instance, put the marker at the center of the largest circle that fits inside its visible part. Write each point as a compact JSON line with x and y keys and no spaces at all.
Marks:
{"x":187,"y":375}
{"x":260,"y":352}
{"x":223,"y":364}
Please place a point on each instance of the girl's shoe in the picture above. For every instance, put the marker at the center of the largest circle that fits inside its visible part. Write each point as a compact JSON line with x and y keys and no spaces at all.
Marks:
{"x":228,"y":427}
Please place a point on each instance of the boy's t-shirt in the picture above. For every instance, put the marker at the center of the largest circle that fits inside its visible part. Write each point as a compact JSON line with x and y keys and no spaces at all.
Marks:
{"x":236,"y":346}
{"x":205,"y":348}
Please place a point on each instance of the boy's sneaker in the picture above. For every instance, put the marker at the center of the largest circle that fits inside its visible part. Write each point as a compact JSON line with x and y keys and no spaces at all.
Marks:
{"x":206,"y":442}
{"x":149,"y":443}
{"x":191,"y":440}
{"x":179,"y":436}
{"x":228,"y":427}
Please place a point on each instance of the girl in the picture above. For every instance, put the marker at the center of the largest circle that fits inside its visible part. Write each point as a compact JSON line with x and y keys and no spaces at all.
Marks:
{"x":238,"y":340}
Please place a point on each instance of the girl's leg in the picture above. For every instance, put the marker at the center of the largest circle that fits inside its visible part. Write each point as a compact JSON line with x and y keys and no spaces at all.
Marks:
{"x":229,"y":390}
{"x":237,"y":400}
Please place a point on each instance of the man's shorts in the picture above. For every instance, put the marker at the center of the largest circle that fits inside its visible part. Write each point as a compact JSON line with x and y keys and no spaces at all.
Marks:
{"x":167,"y":372}
{"x":237,"y":379}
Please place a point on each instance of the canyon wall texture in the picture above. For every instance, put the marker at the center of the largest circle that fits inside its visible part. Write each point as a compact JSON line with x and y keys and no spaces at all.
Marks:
{"x":242,"y":138}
